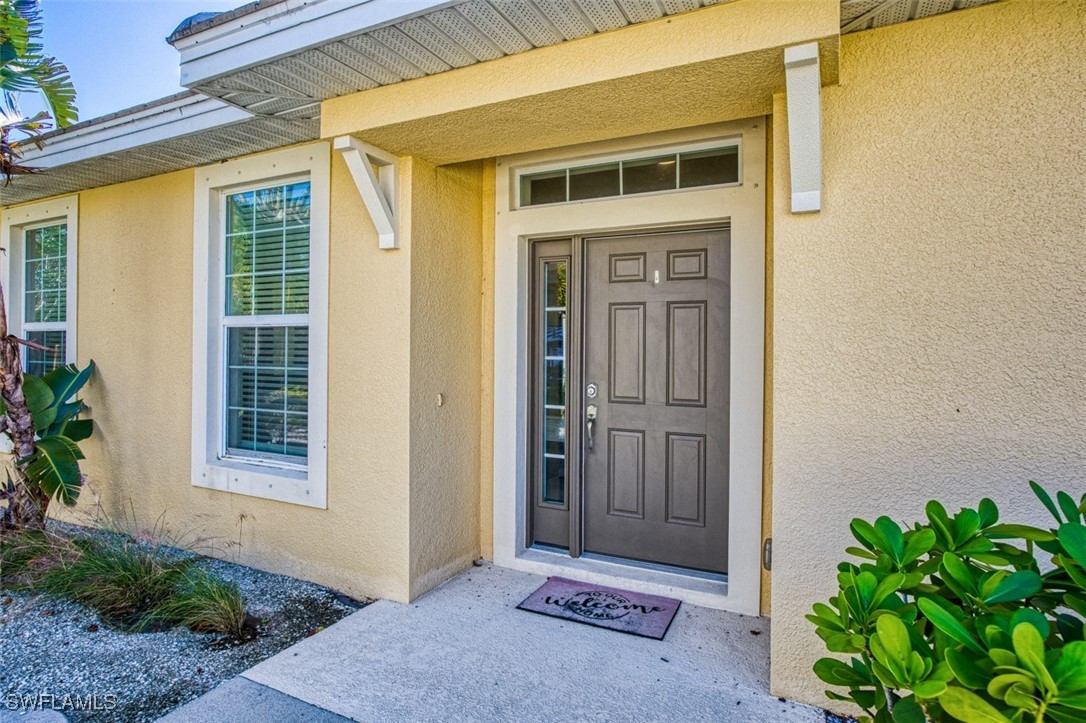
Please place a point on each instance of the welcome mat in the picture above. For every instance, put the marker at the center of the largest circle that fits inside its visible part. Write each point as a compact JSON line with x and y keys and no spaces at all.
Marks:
{"x":606,"y":607}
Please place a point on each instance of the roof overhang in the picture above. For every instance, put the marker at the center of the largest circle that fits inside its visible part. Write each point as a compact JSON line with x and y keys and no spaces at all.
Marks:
{"x":284,"y":57}
{"x":284,"y":28}
{"x":177,"y":115}
{"x":180,"y":131}
{"x":259,"y":76}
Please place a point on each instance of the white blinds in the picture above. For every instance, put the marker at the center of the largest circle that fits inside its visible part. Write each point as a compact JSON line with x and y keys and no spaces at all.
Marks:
{"x":267,"y":269}
{"x":267,"y":389}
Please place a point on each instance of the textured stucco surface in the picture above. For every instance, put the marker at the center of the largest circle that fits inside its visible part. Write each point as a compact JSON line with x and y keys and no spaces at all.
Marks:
{"x":929,"y":327}
{"x":719,"y":63}
{"x":486,"y":380}
{"x":135,"y":321}
{"x":445,"y":226}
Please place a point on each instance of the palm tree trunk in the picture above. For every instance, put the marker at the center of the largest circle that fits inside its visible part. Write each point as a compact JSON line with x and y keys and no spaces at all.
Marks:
{"x":26,"y":507}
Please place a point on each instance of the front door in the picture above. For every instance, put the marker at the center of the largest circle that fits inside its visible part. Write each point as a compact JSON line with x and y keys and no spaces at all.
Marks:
{"x":643,"y":368}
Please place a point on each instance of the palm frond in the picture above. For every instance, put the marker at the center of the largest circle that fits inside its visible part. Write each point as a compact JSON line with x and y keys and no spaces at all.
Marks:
{"x":24,"y":65}
{"x":25,"y":68}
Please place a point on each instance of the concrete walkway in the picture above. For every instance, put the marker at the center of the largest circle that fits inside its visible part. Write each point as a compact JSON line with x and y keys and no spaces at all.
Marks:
{"x":463,"y":652}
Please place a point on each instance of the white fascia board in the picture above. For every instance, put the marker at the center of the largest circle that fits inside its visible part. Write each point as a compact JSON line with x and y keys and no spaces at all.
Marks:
{"x":285,"y":29}
{"x":148,"y":126}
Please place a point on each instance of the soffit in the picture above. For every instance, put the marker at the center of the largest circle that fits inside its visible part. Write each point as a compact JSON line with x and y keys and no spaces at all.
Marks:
{"x":857,"y":15}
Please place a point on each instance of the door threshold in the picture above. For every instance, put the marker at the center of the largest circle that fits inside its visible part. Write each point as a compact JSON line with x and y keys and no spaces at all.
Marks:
{"x":703,"y":589}
{"x":658,"y":567}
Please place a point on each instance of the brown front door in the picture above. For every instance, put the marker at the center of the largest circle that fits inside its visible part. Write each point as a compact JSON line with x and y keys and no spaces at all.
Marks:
{"x":645,"y":330}
{"x":656,"y":348}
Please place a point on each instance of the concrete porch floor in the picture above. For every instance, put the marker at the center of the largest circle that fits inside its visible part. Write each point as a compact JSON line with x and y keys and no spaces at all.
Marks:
{"x":463,"y":652}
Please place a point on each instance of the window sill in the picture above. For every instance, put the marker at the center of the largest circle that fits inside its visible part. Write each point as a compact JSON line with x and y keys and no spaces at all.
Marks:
{"x":280,"y":484}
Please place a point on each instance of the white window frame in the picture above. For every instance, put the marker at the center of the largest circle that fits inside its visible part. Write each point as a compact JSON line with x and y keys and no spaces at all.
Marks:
{"x":273,"y":478}
{"x":16,"y":222}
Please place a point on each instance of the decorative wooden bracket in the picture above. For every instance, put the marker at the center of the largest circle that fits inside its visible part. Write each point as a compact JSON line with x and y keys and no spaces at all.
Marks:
{"x":378,"y":189}
{"x":804,"y":86}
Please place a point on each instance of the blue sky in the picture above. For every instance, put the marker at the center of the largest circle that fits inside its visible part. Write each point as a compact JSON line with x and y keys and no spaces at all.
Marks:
{"x":116,"y":49}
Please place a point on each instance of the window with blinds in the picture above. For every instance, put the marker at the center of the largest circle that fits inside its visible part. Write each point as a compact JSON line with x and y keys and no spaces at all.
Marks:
{"x":45,"y":296}
{"x":266,"y":323}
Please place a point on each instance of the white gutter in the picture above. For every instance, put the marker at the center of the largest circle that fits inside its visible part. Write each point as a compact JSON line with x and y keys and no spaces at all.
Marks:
{"x":285,"y":29}
{"x":124,"y":131}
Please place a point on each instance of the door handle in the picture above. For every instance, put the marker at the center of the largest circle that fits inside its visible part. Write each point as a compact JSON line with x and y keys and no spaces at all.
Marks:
{"x":590,"y":414}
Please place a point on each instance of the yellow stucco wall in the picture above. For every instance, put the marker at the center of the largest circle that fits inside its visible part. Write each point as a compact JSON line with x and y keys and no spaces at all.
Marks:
{"x":929,"y":328}
{"x":404,"y":326}
{"x":135,"y":321}
{"x":486,"y":380}
{"x":446,"y":228}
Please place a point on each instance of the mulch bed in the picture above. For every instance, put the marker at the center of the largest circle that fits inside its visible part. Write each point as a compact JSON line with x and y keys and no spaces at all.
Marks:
{"x":67,"y":653}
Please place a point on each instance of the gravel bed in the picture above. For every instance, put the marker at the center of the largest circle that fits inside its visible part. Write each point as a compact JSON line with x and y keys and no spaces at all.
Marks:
{"x":55,"y":647}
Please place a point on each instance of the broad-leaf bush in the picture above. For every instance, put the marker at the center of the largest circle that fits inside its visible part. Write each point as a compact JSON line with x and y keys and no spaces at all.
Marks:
{"x":957,"y":619}
{"x":53,"y":468}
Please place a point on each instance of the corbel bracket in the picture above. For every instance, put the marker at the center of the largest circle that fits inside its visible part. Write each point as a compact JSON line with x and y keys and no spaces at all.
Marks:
{"x":377,"y":188}
{"x":804,"y":94}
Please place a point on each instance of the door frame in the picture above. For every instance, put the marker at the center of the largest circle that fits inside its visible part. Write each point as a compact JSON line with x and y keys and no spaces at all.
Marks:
{"x":743,"y":208}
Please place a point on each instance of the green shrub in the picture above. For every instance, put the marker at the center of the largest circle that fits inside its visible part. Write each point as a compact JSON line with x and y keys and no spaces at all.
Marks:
{"x":205,"y":604}
{"x":134,"y":586}
{"x":954,"y":619}
{"x":119,"y":578}
{"x":23,"y":557}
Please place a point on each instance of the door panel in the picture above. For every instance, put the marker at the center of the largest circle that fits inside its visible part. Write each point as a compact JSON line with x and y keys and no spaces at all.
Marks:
{"x":626,"y":473}
{"x":686,"y":336}
{"x":685,"y":479}
{"x":626,"y":352}
{"x":656,"y":343}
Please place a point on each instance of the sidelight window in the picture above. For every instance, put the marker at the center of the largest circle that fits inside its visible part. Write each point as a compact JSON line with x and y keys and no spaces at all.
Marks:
{"x":553,"y":330}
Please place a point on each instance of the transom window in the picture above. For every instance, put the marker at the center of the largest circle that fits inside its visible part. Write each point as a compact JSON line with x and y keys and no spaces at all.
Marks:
{"x":683,"y":168}
{"x":266,"y":323}
{"x":45,"y":296}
